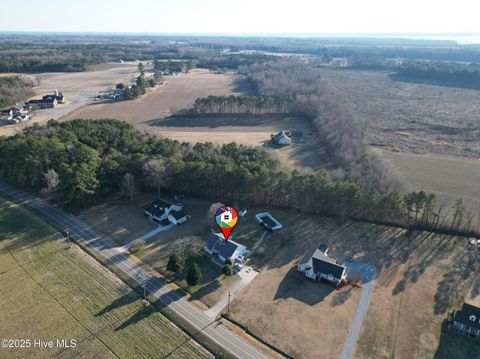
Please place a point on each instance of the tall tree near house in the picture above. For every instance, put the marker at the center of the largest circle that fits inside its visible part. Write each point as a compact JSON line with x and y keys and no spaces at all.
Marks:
{"x":175,"y":262}
{"x":194,"y":275}
{"x":128,"y":186}
{"x":155,"y":172}
{"x":140,"y":67}
{"x":211,"y":213}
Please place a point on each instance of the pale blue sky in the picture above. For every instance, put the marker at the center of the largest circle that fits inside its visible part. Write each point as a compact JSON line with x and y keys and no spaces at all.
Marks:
{"x":241,"y":16}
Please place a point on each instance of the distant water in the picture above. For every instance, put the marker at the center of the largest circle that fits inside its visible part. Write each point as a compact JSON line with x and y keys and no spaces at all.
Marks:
{"x":460,"y":38}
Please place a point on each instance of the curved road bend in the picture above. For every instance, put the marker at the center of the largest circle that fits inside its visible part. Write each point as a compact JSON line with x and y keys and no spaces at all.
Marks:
{"x":89,"y":238}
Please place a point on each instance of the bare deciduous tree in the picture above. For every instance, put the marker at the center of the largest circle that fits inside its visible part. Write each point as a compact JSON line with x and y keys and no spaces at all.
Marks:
{"x":128,"y":186}
{"x":154,"y":171}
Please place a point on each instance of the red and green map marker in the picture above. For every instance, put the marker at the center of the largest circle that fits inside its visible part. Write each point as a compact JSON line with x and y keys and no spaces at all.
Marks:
{"x":226,"y":219}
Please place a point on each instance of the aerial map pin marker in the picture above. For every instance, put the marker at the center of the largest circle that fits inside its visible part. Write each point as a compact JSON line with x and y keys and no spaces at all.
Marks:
{"x":226,"y":219}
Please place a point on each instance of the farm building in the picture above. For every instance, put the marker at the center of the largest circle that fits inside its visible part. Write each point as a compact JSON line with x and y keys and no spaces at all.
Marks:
{"x":281,"y":139}
{"x":216,"y":245}
{"x":287,"y":137}
{"x":161,"y":210}
{"x":267,"y":220}
{"x":47,"y":101}
{"x":467,"y":320}
{"x":316,"y":265}
{"x":15,"y":114}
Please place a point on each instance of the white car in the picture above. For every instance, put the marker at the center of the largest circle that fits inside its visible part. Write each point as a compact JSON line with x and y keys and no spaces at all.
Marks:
{"x":238,"y":266}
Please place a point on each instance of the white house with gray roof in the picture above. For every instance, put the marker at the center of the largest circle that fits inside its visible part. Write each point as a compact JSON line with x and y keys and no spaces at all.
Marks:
{"x":316,"y":265}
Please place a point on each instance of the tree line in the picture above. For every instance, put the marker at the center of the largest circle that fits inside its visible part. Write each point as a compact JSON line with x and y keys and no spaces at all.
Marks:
{"x":14,"y":89}
{"x":441,"y":73}
{"x":335,"y":123}
{"x":79,"y":162}
{"x":255,"y":105}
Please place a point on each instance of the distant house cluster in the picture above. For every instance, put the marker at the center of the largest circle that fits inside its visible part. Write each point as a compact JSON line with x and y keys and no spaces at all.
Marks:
{"x":15,"y":114}
{"x":164,"y":212}
{"x":316,"y":265}
{"x":217,"y":245}
{"x":467,"y":320}
{"x":47,"y":101}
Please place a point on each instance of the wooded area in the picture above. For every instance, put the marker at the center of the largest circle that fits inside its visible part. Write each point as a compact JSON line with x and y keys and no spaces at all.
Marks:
{"x":255,"y":105}
{"x":440,"y":73}
{"x":14,"y":89}
{"x":77,"y":163}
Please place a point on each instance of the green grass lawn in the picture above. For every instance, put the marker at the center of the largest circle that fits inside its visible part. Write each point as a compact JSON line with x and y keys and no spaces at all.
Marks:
{"x":48,"y":291}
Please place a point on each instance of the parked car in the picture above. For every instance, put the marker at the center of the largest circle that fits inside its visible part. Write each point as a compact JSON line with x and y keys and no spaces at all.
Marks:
{"x":238,"y":266}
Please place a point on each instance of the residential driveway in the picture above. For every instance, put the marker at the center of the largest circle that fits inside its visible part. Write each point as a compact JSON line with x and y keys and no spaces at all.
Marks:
{"x":247,"y":274}
{"x":368,"y":274}
{"x":155,"y":231}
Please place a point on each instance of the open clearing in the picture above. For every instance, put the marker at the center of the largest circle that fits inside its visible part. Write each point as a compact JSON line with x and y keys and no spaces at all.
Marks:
{"x":50,"y":292}
{"x":176,"y":92}
{"x":411,"y":117}
{"x":448,"y":177}
{"x":407,"y":119}
{"x":420,"y":277}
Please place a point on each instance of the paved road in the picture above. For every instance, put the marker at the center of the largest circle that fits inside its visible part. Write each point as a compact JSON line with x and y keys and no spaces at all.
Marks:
{"x":368,"y":274}
{"x":89,"y":238}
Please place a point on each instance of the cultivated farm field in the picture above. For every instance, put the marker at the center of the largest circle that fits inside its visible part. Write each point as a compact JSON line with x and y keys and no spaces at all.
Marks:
{"x":50,"y":291}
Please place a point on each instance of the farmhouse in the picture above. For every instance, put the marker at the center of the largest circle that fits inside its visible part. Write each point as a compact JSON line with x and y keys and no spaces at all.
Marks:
{"x":216,"y":245}
{"x":281,"y":139}
{"x":467,"y":320}
{"x":316,"y":265}
{"x":161,"y":210}
{"x":267,"y":220}
{"x":15,"y":114}
{"x":47,"y":101}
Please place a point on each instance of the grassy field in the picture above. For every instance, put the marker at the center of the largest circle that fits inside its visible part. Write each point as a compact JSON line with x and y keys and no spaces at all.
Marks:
{"x":126,"y":223}
{"x":411,"y":117}
{"x":421,"y":276}
{"x":449,"y":177}
{"x":176,"y":92}
{"x":49,"y":291}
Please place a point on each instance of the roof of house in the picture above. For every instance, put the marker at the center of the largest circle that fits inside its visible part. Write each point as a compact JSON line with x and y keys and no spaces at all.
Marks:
{"x":321,"y":263}
{"x":307,"y":256}
{"x":468,"y":315}
{"x":326,"y":265}
{"x":278,"y":136}
{"x":178,"y":215}
{"x":161,"y":203}
{"x":225,"y":248}
{"x":213,"y":240}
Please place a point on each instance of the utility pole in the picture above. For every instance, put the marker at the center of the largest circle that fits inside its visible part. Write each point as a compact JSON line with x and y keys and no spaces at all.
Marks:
{"x":67,"y":232}
{"x":228,"y":305}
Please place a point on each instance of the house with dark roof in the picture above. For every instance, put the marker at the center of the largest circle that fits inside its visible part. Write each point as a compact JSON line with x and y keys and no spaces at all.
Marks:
{"x":216,"y":245}
{"x":316,"y":265}
{"x":467,"y":320}
{"x":160,"y":210}
{"x":47,"y":101}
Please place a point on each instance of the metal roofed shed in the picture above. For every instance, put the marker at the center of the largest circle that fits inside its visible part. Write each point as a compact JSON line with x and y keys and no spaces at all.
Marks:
{"x":267,"y":220}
